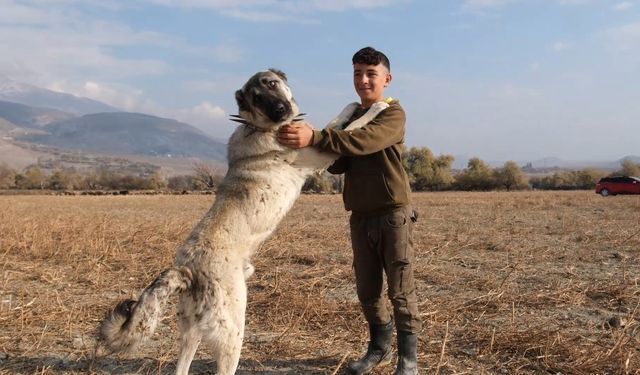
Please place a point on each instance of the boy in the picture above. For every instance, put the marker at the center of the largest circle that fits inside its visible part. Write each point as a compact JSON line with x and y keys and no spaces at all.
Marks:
{"x":376,"y":191}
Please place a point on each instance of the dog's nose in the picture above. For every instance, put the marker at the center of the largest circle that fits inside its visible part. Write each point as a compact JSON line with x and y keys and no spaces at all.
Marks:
{"x":280,"y":109}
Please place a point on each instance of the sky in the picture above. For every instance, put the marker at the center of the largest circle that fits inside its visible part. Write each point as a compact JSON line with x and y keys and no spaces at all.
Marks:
{"x":495,"y":79}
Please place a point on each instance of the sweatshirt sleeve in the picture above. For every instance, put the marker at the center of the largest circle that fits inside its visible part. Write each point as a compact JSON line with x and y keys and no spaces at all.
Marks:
{"x":385,"y":130}
{"x":339,"y":166}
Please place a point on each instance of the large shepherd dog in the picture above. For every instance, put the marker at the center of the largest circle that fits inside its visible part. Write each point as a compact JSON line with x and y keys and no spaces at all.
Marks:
{"x":263,"y":181}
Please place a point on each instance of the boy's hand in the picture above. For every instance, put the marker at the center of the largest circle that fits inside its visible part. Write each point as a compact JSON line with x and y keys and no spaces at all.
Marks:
{"x":297,"y":135}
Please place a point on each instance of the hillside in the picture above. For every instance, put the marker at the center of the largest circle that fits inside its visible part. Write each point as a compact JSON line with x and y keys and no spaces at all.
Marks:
{"x":125,"y":133}
{"x":26,"y":94}
{"x":29,"y":116}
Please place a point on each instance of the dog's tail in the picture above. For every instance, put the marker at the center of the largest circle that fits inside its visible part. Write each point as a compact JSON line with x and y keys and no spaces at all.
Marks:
{"x":131,"y":321}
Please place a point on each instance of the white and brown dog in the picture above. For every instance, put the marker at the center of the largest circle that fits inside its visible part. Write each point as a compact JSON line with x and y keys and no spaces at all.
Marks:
{"x":262,"y":183}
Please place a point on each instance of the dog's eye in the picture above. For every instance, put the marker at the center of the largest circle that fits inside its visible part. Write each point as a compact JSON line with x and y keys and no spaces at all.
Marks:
{"x":272,"y":84}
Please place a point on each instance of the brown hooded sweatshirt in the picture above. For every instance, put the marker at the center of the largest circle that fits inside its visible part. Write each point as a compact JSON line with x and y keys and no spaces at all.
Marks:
{"x":375,"y":179}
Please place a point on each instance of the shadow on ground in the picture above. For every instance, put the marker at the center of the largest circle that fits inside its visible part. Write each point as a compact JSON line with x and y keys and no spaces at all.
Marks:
{"x":56,"y":365}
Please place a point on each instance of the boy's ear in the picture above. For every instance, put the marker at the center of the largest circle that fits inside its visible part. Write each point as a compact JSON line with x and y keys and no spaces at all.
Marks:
{"x":387,"y":79}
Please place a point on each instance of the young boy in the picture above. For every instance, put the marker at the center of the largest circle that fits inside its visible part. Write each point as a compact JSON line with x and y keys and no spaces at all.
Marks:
{"x":376,"y":191}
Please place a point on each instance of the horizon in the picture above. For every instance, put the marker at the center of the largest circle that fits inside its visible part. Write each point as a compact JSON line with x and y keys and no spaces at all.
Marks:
{"x":496,"y":79}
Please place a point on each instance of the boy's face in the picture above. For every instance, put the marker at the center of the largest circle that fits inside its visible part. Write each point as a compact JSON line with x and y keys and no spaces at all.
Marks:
{"x":370,"y":81}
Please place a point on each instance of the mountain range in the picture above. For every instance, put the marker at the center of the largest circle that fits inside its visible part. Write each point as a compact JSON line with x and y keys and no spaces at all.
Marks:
{"x":16,"y":92}
{"x":550,"y":163}
{"x":38,"y":124}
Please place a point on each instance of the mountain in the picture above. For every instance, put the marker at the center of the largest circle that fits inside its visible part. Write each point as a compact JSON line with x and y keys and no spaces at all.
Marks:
{"x":552,"y":163}
{"x":126,"y":133}
{"x":582,"y":164}
{"x":6,"y":126}
{"x":31,"y":117}
{"x":16,"y":92}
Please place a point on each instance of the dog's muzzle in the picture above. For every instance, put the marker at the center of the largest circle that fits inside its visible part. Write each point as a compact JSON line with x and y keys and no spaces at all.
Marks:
{"x":276,"y":109}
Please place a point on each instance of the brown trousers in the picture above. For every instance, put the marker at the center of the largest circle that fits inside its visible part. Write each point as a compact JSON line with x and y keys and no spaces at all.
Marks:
{"x":383,"y":245}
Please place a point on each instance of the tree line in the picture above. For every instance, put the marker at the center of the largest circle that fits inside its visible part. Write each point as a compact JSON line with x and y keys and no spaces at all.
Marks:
{"x":203,"y":177}
{"x":426,"y":171}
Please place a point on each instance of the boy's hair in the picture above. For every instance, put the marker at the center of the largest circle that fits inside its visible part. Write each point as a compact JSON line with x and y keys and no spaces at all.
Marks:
{"x":371,"y":56}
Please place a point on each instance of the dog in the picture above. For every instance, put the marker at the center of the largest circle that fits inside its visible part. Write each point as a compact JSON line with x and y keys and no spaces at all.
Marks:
{"x":263,"y":181}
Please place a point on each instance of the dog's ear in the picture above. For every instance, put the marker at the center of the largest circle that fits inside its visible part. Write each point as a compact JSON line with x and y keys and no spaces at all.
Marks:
{"x":279,"y":73}
{"x":242,"y":102}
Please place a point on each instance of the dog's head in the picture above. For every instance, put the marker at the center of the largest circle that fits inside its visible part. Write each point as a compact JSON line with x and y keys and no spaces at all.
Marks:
{"x":266,"y":100}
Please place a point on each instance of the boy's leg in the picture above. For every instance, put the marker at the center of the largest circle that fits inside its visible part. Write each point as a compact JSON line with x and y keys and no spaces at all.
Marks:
{"x":367,"y":262}
{"x":369,"y":271}
{"x":396,"y":228}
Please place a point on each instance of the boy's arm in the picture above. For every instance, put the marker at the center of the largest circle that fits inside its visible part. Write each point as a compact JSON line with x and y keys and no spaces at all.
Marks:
{"x":296,"y":135}
{"x":385,"y":130}
{"x":339,"y":166}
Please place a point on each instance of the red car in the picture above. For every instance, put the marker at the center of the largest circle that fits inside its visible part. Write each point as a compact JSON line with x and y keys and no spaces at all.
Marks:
{"x":618,"y":185}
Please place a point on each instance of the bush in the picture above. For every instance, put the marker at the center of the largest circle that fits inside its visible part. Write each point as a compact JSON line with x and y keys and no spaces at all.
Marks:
{"x":7,"y":177}
{"x":584,"y":179}
{"x":510,"y":177}
{"x":318,"y":183}
{"x":427,"y":172}
{"x":477,"y":176}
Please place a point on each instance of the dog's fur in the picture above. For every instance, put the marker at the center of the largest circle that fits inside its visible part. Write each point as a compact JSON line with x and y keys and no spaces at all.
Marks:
{"x":263,"y":181}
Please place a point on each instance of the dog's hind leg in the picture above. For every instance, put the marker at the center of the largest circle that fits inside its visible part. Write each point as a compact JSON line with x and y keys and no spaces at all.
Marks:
{"x":227,"y":332}
{"x":227,"y":349}
{"x":190,"y":337}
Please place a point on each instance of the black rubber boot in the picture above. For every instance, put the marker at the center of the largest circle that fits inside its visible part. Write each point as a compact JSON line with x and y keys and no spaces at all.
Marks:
{"x":407,"y":350}
{"x":378,"y":352}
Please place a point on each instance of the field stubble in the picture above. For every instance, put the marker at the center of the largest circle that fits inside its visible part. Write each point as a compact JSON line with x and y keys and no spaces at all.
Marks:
{"x":509,"y":283}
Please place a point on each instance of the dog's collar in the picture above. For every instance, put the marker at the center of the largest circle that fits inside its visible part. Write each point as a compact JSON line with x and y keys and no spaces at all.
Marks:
{"x":255,"y":128}
{"x":258,"y":129}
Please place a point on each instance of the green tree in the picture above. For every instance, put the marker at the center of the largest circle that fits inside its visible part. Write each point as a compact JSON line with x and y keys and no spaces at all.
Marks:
{"x":510,"y":177}
{"x":568,"y":180}
{"x":60,"y":180}
{"x":157,"y":181}
{"x":32,"y":178}
{"x":629,"y":168}
{"x":477,"y":176}
{"x":7,"y":177}
{"x":317,"y":183}
{"x":180,"y":183}
{"x":206,"y":176}
{"x":427,"y":172}
{"x":587,"y":178}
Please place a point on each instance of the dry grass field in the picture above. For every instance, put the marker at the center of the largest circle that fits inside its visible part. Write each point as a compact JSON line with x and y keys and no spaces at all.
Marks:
{"x":509,"y":283}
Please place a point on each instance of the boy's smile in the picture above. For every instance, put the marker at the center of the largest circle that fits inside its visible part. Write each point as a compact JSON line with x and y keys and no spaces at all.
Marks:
{"x":370,"y":82}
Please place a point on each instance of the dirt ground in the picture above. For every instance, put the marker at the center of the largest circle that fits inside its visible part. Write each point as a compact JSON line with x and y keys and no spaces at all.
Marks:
{"x":509,"y":283}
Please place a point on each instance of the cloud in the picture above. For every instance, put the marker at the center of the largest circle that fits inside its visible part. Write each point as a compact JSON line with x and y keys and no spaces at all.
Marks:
{"x":277,"y":11}
{"x":483,"y":4}
{"x":625,"y":5}
{"x":206,"y":116}
{"x":560,"y":46}
{"x":573,"y":2}
{"x":275,"y":5}
{"x":69,"y":48}
{"x":624,"y":38}
{"x":120,"y":96}
{"x":42,"y":43}
{"x":228,"y":53}
{"x":535,"y":66}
